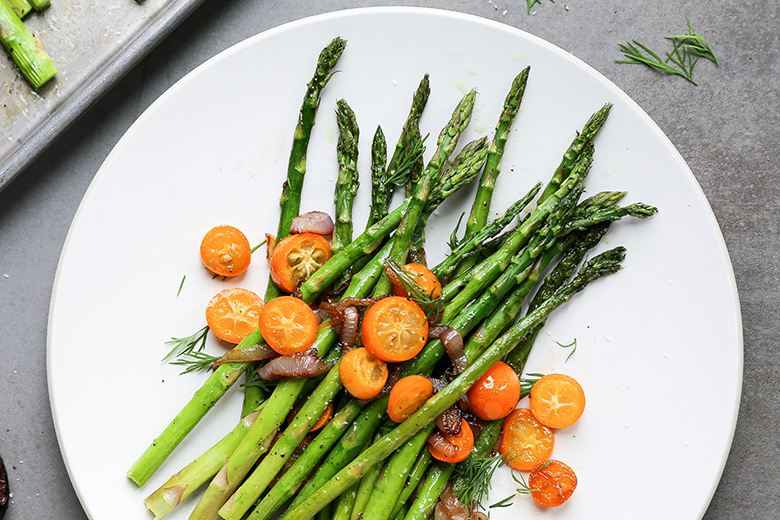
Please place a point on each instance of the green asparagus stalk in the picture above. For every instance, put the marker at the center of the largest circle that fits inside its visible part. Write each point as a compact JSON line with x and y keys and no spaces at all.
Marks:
{"x":390,"y":483}
{"x":25,"y":49}
{"x":258,"y":481}
{"x":40,"y":5}
{"x":416,"y":475}
{"x":498,"y":261}
{"x":202,"y":401}
{"x":381,"y":191}
{"x":601,"y":265}
{"x":482,"y":200}
{"x":290,"y":200}
{"x":183,"y":483}
{"x":347,"y":183}
{"x":477,"y":240}
{"x":20,"y":7}
{"x":581,"y":244}
{"x":342,"y":509}
{"x":405,"y":162}
{"x":434,"y":484}
{"x":365,"y":487}
{"x":580,"y":143}
{"x":448,"y":139}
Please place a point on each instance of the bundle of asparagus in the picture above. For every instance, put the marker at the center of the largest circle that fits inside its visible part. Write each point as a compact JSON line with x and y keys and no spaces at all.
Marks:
{"x":360,"y":464}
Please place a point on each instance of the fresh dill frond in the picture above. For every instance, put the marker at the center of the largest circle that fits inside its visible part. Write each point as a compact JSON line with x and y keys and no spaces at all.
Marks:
{"x":189,"y":343}
{"x":433,"y":307}
{"x":475,"y":478}
{"x":453,"y":242}
{"x":254,"y":380}
{"x":503,"y":503}
{"x":524,"y":488}
{"x":259,"y":245}
{"x":188,"y":351}
{"x":695,"y":43}
{"x":411,"y":155}
{"x":685,"y":53}
{"x":195,"y":361}
{"x":572,"y":346}
{"x":181,"y":285}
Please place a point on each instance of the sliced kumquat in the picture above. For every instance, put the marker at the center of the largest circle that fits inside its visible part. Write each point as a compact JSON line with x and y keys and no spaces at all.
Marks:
{"x":233,"y":313}
{"x":452,"y":448}
{"x":495,"y":394}
{"x":394,"y":329}
{"x":557,"y":400}
{"x":526,"y":442}
{"x":225,"y":251}
{"x":295,"y":259}
{"x":407,"y":395}
{"x":552,"y":483}
{"x":422,"y":276}
{"x":362,"y":374}
{"x":288,"y":325}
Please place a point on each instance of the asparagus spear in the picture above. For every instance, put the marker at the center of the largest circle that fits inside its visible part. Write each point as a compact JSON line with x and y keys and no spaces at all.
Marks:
{"x":580,"y":143}
{"x":183,"y":483}
{"x":25,"y":49}
{"x":434,"y":484}
{"x":388,"y":487}
{"x":381,"y":193}
{"x":481,"y":207}
{"x":347,"y":183}
{"x":20,"y":7}
{"x":290,"y":201}
{"x":222,"y":378}
{"x":415,"y":477}
{"x":601,"y":265}
{"x":406,"y":162}
{"x":40,"y":5}
{"x":448,"y":139}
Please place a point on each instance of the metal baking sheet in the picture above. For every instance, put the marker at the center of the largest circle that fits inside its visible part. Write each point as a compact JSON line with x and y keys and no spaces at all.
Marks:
{"x":92,"y":44}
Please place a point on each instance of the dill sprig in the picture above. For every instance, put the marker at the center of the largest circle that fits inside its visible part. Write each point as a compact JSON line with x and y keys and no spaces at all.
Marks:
{"x":572,"y":346}
{"x":453,"y":242}
{"x":476,"y":476}
{"x":695,"y":43}
{"x":685,"y":53}
{"x":524,"y":488}
{"x":188,"y":351}
{"x":400,"y":176}
{"x":254,"y":380}
{"x":433,"y":307}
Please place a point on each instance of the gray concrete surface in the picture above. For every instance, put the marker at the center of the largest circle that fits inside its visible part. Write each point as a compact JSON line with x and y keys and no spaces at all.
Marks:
{"x":726,"y":129}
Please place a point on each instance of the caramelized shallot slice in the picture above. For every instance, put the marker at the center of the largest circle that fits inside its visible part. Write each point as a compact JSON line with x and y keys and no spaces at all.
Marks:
{"x":270,"y":245}
{"x":253,"y":353}
{"x":442,"y":445}
{"x":449,"y":422}
{"x":453,"y":342}
{"x":316,"y":222}
{"x":349,"y":327}
{"x":301,"y":364}
{"x":453,"y":508}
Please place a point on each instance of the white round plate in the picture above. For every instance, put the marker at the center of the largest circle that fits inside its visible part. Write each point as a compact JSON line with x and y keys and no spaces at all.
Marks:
{"x":659,"y":345}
